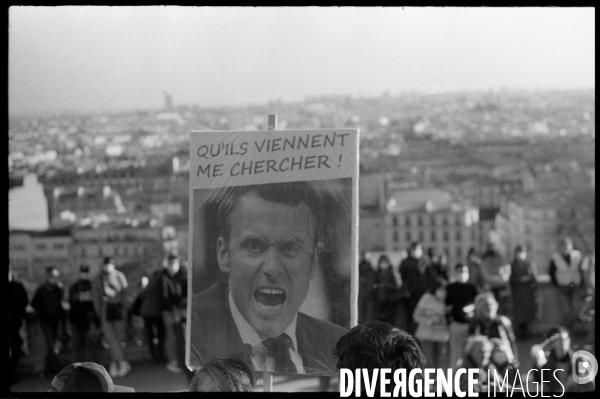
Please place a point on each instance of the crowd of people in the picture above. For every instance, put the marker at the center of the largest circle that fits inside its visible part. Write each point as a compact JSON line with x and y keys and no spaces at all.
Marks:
{"x":424,"y":314}
{"x":370,"y":346}
{"x":96,"y":312}
{"x":471,"y":314}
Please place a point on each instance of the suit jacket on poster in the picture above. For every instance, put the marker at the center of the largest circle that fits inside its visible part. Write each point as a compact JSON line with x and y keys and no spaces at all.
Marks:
{"x":214,"y":333}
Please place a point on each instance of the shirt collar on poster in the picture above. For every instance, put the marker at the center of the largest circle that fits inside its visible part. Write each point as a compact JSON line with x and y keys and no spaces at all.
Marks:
{"x":250,"y":336}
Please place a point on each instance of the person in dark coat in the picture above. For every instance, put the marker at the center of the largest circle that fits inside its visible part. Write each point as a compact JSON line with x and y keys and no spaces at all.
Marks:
{"x":438,"y":264}
{"x":523,"y":285}
{"x":386,"y":290}
{"x":172,"y":294}
{"x":460,"y":300}
{"x":17,"y":305}
{"x":474,"y":265}
{"x":367,"y":279}
{"x":418,"y":277}
{"x":47,"y":302}
{"x":85,"y":323}
{"x":150,"y":310}
{"x":179,"y":327}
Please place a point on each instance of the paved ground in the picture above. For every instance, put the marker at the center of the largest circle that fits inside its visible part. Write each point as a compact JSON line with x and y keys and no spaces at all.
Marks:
{"x":147,"y":376}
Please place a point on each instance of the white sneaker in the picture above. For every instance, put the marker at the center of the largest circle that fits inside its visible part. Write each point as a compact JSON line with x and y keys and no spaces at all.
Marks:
{"x":113,"y":370}
{"x":125,"y":368}
{"x":173,"y":367}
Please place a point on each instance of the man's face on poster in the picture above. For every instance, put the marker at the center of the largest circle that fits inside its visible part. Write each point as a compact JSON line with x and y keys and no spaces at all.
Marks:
{"x":271,"y":258}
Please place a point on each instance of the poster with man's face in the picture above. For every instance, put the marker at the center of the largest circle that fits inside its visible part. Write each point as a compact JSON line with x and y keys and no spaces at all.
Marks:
{"x":273,"y":247}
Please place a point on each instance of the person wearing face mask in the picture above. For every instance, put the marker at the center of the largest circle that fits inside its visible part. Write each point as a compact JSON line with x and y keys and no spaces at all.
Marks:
{"x":523,"y":285}
{"x":84,"y":320}
{"x":48,"y":304}
{"x":418,"y":277}
{"x":460,"y":299}
{"x":108,"y":293}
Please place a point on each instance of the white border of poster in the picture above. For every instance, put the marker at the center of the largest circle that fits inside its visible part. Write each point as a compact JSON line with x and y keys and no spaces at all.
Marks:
{"x":299,"y":189}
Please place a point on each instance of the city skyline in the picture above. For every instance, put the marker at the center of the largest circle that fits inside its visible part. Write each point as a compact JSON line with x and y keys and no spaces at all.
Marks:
{"x":85,"y":58}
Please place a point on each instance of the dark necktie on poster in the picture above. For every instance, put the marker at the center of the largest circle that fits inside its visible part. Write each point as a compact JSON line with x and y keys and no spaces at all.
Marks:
{"x":279,"y":349}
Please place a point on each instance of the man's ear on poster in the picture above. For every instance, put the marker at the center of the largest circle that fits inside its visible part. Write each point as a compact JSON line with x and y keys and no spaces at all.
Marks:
{"x":223,"y":256}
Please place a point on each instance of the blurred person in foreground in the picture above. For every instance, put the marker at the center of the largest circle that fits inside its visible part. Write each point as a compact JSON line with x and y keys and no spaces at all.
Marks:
{"x":502,"y":365}
{"x":49,"y":307}
{"x":17,"y":311}
{"x":85,"y":323}
{"x":85,"y":377}
{"x":223,"y":375}
{"x":476,"y":355}
{"x":565,"y":274}
{"x":460,"y":302}
{"x":556,"y":354}
{"x":488,"y":322}
{"x":269,"y":245}
{"x":523,"y":287}
{"x":433,"y":332}
{"x":378,"y":344}
{"x":109,"y":302}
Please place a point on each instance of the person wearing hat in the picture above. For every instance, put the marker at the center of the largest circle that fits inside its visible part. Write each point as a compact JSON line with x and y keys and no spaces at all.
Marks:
{"x":47,"y":302}
{"x":84,"y":320}
{"x":108,"y":296}
{"x":85,"y":377}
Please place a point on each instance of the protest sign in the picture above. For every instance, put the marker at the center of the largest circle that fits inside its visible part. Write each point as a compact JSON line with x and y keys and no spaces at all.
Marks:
{"x":273,"y":244}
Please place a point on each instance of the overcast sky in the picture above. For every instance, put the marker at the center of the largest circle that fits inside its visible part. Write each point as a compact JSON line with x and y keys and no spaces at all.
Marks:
{"x":93,"y":58}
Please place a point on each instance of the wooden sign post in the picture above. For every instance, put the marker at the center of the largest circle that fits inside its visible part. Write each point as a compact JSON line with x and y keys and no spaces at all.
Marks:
{"x":267,"y":375}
